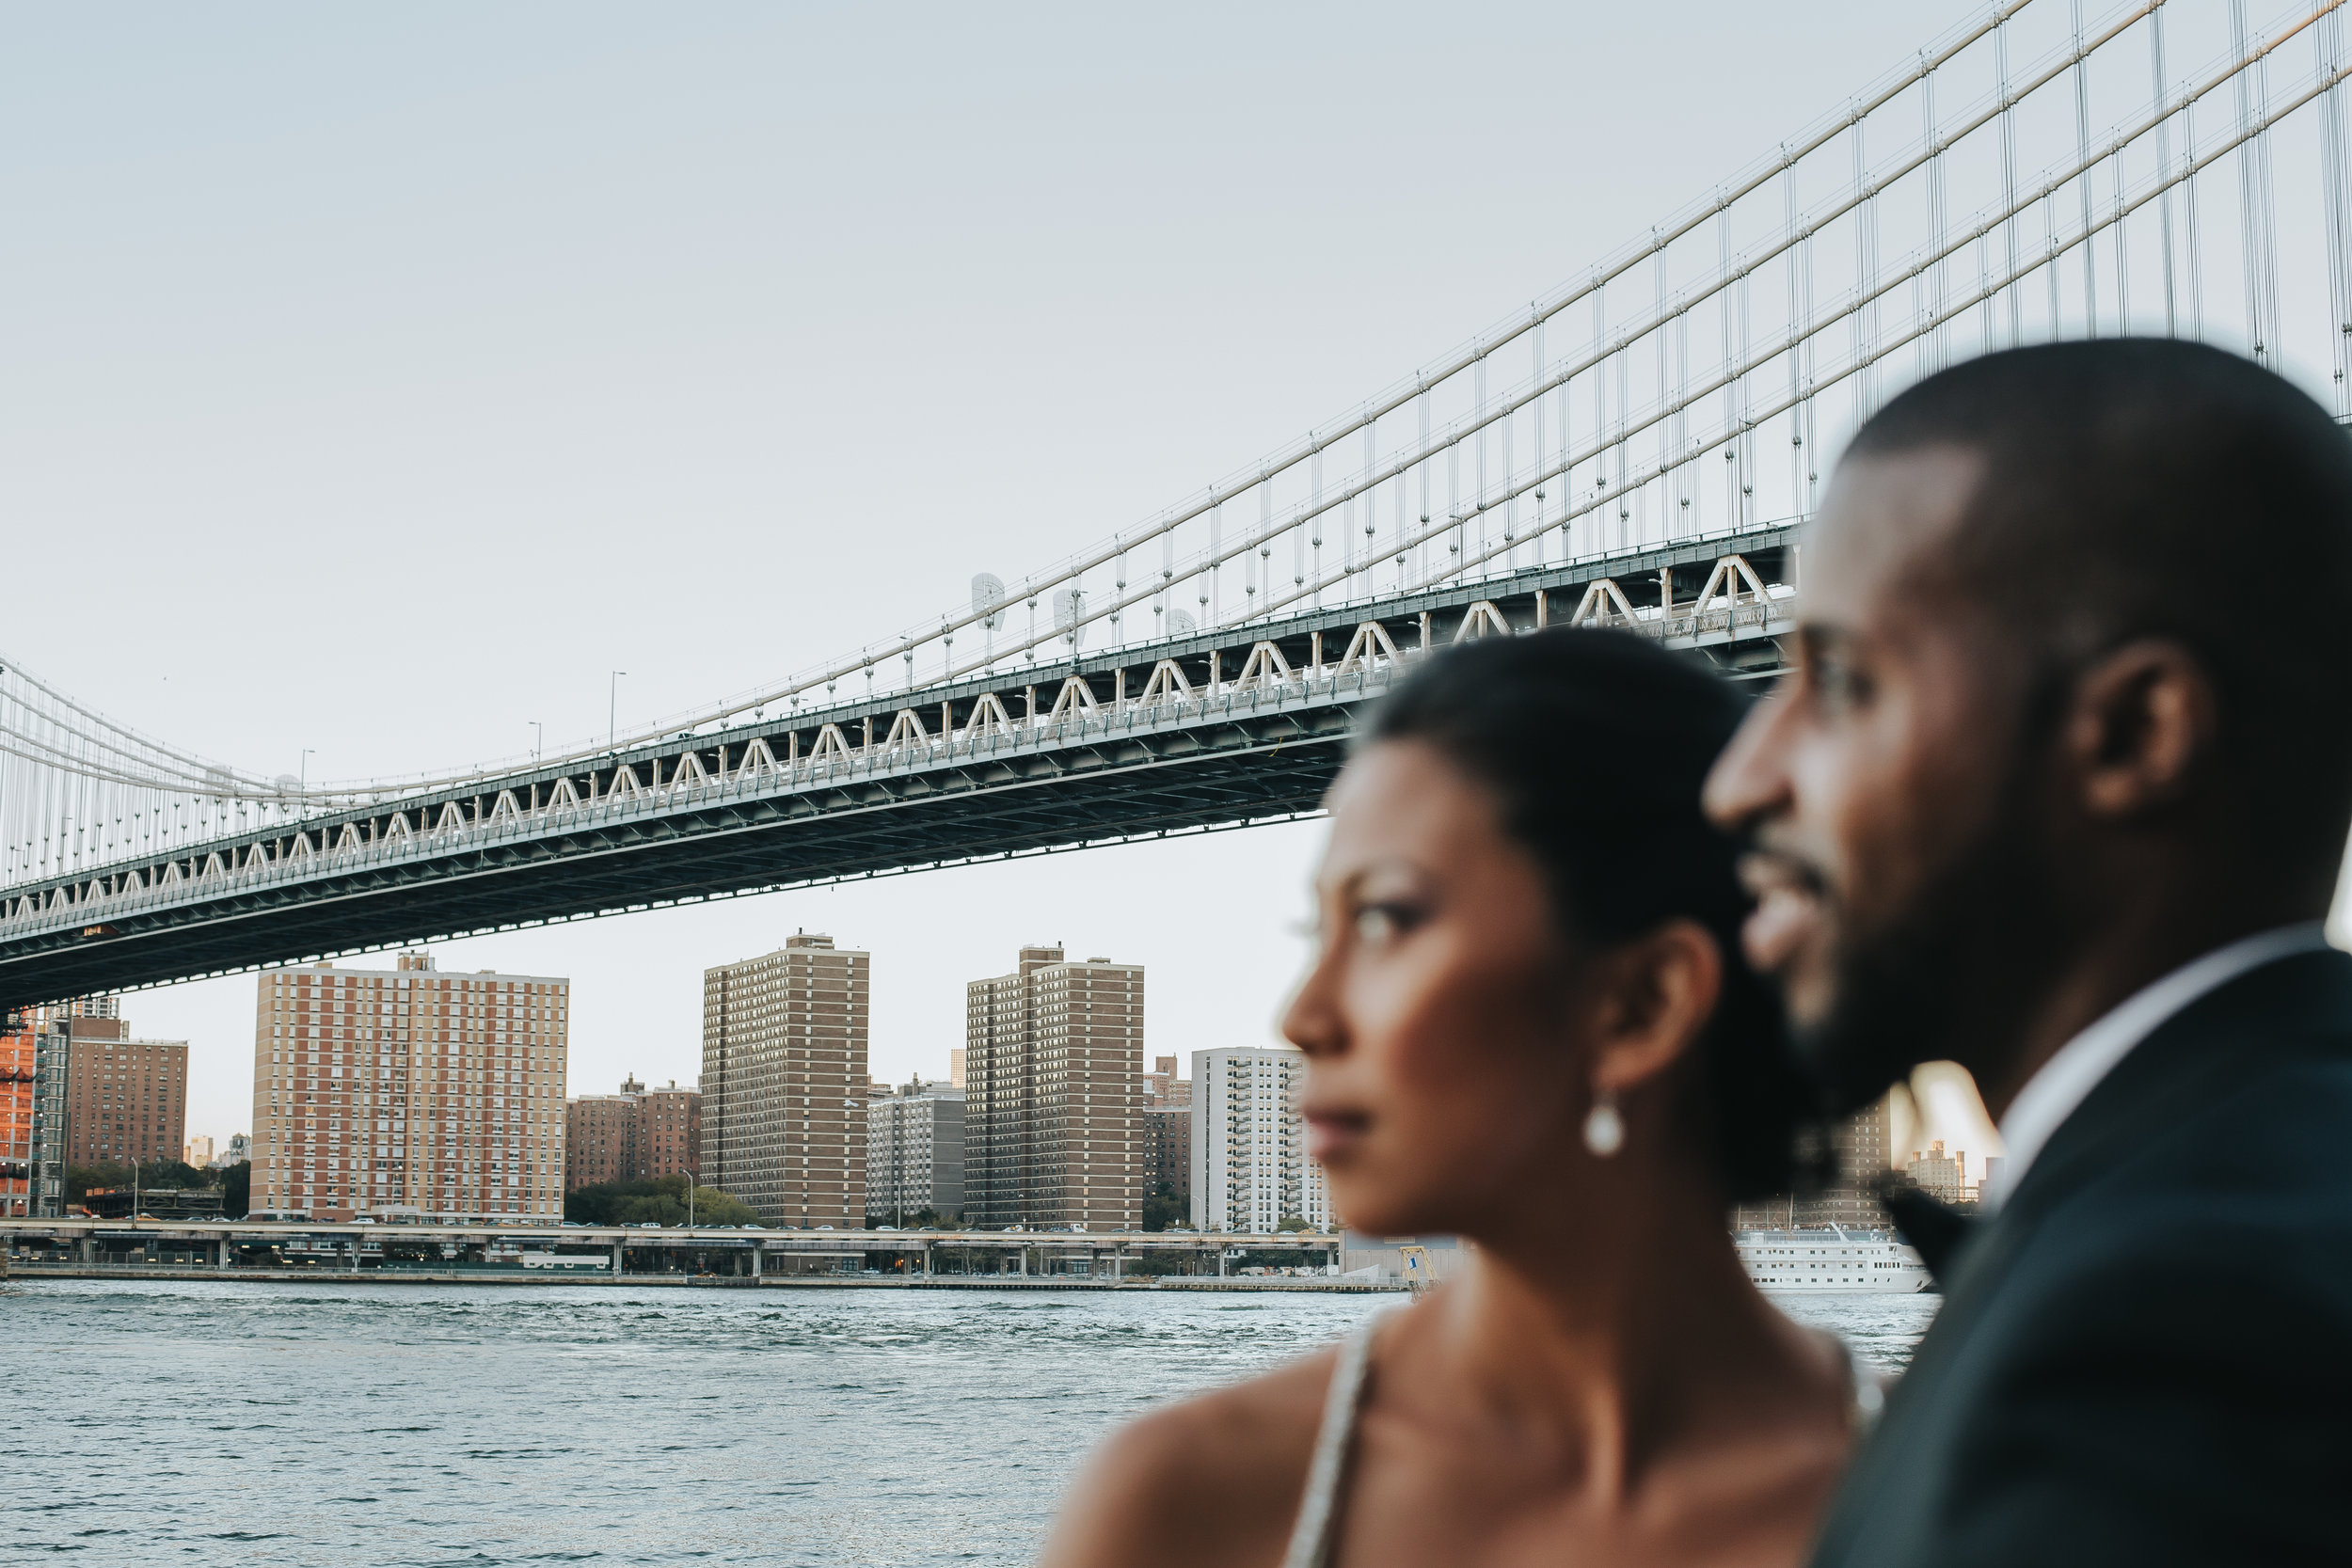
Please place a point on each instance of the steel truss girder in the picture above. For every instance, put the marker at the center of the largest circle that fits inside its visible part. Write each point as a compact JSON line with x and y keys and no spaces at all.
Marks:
{"x":1218,"y":729}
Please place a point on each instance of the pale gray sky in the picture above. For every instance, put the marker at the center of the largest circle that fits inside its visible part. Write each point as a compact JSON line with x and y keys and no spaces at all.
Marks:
{"x":377,"y":379}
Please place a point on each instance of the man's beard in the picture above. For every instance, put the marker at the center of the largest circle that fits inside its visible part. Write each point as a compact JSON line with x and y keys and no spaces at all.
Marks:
{"x":1950,"y":977}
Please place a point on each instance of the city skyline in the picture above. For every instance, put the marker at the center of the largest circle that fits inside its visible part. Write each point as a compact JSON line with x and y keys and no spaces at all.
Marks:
{"x":680,"y":382}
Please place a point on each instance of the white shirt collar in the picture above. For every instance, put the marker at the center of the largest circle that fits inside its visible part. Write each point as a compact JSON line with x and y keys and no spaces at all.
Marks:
{"x":2065,"y":1080}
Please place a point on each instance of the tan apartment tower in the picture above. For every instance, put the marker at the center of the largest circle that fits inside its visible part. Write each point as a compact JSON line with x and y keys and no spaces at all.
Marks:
{"x":408,"y":1091}
{"x":784,"y":1082}
{"x":1053,"y":1097}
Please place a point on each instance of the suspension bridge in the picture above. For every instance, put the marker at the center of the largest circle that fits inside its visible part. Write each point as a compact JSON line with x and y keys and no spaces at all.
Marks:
{"x":1637,"y":448}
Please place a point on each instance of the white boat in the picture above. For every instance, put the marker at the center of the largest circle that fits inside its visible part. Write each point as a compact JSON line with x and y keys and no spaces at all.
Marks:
{"x":1831,"y":1258}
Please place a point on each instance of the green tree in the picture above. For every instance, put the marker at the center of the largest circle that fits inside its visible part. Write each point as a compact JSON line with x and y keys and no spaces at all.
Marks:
{"x":153,"y":1175}
{"x":659,"y":1201}
{"x":1292,"y":1221}
{"x":236,"y":1190}
{"x":1163,"y":1208}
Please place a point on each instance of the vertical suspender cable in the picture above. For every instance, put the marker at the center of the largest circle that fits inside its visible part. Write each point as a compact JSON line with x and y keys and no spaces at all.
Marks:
{"x":1600,"y":399}
{"x":1676,"y":433}
{"x":1793,"y":263}
{"x":1724,"y":307}
{"x":2338,"y":223}
{"x":1212,"y":602}
{"x":2119,"y":228}
{"x":1865,"y":322}
{"x":1424,"y":401}
{"x":1478,"y":409}
{"x":2009,"y":182}
{"x":2192,"y":249}
{"x":1935,"y":346}
{"x":2164,"y":167}
{"x":2082,"y":153}
{"x":1535,"y":430}
{"x":1300,"y":533}
{"x":2255,"y":219}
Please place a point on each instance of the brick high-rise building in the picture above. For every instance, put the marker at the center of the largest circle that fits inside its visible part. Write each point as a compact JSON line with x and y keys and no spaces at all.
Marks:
{"x":409,"y":1090}
{"x":125,"y":1098}
{"x":1168,"y":1132}
{"x":784,"y":1083}
{"x":1168,"y":1152}
{"x":1864,"y":1149}
{"x":1053,"y":1113}
{"x":631,"y":1136}
{"x":600,"y":1137}
{"x":670,"y":1131}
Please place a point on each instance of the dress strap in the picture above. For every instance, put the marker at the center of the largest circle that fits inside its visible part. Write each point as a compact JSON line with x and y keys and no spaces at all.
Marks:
{"x":1310,"y":1538}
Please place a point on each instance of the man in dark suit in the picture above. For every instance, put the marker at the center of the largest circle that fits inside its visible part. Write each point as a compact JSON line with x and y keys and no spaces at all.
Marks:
{"x":2058,"y":788}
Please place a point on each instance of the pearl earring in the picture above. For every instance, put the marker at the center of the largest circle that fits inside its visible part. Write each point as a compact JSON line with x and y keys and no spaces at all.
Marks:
{"x":1604,"y":1129}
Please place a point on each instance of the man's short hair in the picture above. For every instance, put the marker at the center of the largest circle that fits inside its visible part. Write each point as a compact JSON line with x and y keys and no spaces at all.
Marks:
{"x":2137,"y":487}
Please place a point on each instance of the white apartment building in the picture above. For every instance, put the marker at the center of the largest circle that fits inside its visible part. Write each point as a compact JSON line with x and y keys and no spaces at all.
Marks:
{"x":1249,"y":1165}
{"x":410,"y":1091}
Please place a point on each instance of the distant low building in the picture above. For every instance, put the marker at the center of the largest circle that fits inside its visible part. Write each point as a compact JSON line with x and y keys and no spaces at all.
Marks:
{"x":914,"y":1152}
{"x":1864,"y":1149}
{"x":1162,"y":1086}
{"x":635,"y":1136}
{"x":1168,"y":1152}
{"x":1941,"y":1176}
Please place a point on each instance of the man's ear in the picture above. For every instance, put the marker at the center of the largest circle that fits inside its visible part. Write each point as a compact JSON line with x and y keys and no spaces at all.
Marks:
{"x":2143,"y":719}
{"x":1658,"y":993}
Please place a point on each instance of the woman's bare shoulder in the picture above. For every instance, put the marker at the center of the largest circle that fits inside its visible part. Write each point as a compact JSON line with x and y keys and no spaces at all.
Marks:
{"x":1213,"y":1479}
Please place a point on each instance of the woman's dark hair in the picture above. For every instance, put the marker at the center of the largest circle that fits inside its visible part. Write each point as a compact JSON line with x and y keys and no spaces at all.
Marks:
{"x":1596,"y":744}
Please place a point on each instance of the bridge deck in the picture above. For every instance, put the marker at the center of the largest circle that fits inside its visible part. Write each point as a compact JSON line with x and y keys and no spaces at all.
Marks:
{"x":1217,"y":730}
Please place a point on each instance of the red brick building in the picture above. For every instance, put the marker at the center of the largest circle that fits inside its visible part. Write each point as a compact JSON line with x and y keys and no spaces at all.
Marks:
{"x":125,"y":1098}
{"x":633,"y":1135}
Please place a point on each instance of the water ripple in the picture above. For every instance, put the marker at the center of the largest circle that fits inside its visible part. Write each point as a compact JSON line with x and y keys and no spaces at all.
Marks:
{"x":438,"y":1426}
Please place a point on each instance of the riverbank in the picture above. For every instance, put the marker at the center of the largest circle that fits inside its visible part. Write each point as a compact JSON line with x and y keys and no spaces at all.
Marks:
{"x":23,"y":1270}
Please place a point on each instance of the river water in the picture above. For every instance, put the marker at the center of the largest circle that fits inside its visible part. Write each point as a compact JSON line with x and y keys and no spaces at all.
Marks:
{"x":200,"y":1422}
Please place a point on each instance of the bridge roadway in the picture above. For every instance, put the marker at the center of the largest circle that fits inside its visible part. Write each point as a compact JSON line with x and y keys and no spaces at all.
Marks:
{"x":320,"y":1247}
{"x":1217,"y":729}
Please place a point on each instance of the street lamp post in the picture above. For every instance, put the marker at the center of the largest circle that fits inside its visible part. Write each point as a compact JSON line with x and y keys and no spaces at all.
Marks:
{"x":612,"y":708}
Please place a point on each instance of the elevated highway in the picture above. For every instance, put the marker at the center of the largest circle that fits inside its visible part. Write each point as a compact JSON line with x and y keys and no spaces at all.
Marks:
{"x":487,"y":1252}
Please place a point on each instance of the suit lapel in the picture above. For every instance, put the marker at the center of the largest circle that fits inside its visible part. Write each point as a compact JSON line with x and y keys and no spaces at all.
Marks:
{"x":2226,"y":1038}
{"x":2296,"y":1005}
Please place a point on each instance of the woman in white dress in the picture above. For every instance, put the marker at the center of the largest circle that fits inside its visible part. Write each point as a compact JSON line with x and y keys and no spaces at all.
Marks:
{"x":1528,"y":1025}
